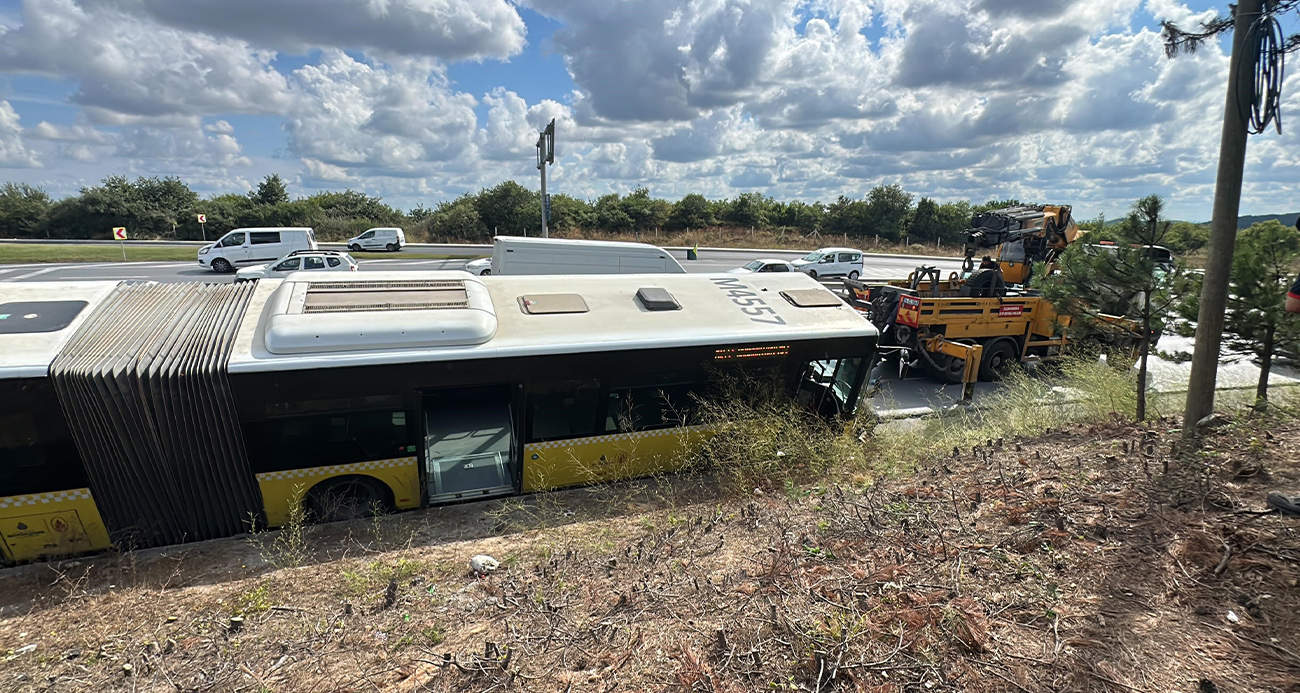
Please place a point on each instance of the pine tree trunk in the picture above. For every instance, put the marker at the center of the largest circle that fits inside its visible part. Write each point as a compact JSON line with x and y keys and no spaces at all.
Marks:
{"x":1146,"y":349}
{"x":1265,"y":364}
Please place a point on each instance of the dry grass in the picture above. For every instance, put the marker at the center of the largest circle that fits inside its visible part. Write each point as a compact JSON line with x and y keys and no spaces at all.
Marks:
{"x":1071,"y":561}
{"x":965,"y":552}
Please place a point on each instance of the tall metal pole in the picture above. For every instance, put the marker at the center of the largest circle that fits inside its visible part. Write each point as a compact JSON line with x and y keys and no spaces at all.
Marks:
{"x":541,"y":143}
{"x":1223,"y":234}
{"x":545,"y":155}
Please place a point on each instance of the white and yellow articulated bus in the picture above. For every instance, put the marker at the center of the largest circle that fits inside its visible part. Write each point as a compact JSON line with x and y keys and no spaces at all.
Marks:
{"x":143,"y":414}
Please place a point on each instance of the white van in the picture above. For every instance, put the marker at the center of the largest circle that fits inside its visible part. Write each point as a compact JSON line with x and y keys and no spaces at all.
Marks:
{"x":522,"y":255}
{"x":388,"y":238}
{"x":831,"y":262}
{"x":252,"y":246}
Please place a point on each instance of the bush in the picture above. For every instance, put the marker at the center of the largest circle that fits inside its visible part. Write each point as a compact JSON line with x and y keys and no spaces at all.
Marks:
{"x":763,"y":439}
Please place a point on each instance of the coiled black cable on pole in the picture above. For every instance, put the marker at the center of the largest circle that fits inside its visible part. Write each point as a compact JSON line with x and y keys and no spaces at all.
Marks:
{"x":1263,"y":61}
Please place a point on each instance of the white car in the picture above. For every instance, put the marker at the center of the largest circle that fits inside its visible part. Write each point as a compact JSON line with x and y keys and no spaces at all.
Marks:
{"x":300,"y":261}
{"x":763,"y":265}
{"x":388,"y":238}
{"x":481,"y":267}
{"x":831,"y":262}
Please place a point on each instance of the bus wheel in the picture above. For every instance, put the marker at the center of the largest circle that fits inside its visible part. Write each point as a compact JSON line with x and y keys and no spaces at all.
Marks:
{"x":999,"y":358}
{"x":347,"y":498}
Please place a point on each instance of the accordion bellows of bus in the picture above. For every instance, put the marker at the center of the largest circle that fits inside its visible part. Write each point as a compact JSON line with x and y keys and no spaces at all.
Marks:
{"x":142,"y":414}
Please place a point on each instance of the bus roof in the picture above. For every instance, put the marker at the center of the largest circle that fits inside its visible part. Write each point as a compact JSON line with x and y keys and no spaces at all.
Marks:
{"x":329,"y":320}
{"x":310,"y":320}
{"x":38,"y":318}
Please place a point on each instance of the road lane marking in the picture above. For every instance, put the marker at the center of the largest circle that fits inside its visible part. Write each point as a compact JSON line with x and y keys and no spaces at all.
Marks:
{"x":55,"y":268}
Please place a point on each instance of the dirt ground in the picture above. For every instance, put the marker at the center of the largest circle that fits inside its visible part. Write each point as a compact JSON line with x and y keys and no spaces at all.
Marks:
{"x":1101,"y":558}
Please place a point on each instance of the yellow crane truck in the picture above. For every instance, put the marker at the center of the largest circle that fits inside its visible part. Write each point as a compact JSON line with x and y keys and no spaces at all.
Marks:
{"x":975,"y":327}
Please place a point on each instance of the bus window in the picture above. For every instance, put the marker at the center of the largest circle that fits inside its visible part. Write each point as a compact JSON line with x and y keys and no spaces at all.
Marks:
{"x":327,"y":439}
{"x":828,"y":386}
{"x":650,"y":407}
{"x":562,"y":410}
{"x":37,"y":453}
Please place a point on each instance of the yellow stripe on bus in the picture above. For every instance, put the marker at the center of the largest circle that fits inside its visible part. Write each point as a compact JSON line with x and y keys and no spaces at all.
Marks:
{"x":50,"y":524}
{"x":401,"y":474}
{"x":559,"y":463}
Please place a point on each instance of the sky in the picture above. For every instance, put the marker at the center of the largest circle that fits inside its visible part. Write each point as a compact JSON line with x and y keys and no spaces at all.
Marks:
{"x":420,"y":101}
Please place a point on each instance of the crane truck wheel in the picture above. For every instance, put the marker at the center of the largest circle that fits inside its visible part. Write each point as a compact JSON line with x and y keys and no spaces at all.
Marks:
{"x":999,"y":357}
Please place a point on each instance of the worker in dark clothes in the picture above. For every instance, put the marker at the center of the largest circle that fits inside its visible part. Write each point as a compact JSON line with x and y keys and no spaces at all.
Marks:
{"x":988,"y":263}
{"x":1288,"y":505}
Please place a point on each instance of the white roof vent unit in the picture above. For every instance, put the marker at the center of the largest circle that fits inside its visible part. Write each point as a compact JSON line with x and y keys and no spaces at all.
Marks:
{"x":329,"y":315}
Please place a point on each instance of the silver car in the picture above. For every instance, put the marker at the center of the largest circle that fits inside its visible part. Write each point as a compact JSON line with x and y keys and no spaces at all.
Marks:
{"x":299,"y":261}
{"x":763,"y":265}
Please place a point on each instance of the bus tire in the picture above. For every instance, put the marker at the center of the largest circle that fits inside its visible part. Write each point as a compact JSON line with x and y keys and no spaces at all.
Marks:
{"x":999,"y":358}
{"x":348,"y":498}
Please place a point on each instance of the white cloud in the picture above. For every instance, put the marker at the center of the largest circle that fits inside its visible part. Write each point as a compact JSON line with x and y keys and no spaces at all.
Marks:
{"x":13,"y":152}
{"x":374,"y":118}
{"x":220,"y":127}
{"x":1052,"y":100}
{"x":193,"y":147}
{"x":135,"y":68}
{"x":320,"y":172}
{"x":448,"y":29}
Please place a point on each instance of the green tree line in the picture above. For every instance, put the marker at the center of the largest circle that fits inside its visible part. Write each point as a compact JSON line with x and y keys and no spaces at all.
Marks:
{"x":168,"y":208}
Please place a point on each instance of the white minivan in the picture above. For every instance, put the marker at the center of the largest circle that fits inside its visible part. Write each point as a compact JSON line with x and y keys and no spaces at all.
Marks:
{"x":831,"y":262}
{"x":388,"y":238}
{"x":242,"y":247}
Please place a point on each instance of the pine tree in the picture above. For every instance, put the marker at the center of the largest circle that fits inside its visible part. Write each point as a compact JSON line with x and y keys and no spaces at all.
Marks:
{"x":1097,"y":283}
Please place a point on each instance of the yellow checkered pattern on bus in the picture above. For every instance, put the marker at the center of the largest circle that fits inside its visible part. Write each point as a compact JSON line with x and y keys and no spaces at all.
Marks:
{"x":335,"y":470}
{"x":40,"y":498}
{"x":616,"y":437}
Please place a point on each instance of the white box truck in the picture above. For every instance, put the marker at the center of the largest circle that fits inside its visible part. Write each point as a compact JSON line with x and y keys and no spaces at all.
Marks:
{"x":523,"y":255}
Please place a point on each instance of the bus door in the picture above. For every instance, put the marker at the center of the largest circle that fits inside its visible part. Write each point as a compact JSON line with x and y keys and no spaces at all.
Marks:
{"x":470,"y":444}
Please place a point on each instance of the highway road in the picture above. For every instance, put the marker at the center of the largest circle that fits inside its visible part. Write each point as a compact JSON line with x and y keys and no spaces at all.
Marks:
{"x":876,"y":267}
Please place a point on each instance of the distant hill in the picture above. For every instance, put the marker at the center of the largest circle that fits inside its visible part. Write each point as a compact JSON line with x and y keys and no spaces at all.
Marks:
{"x":1246,"y":221}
